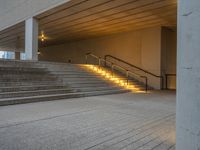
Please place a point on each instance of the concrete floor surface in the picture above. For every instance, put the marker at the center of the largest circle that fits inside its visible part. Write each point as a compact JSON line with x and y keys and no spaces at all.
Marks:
{"x":113,"y":122}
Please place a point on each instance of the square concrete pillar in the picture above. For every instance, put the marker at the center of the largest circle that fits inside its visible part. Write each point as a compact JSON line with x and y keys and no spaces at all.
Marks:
{"x":188,"y":79}
{"x":31,"y":39}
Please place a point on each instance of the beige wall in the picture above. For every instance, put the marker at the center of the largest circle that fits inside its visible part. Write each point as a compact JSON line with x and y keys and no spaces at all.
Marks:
{"x":168,"y":60}
{"x":15,"y":11}
{"x":141,"y":48}
{"x":153,"y":49}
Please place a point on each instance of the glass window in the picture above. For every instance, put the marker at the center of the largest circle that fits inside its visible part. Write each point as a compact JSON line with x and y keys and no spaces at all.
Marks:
{"x":7,"y":55}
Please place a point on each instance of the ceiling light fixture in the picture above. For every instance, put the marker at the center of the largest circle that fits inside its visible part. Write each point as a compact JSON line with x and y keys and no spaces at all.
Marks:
{"x":42,"y":37}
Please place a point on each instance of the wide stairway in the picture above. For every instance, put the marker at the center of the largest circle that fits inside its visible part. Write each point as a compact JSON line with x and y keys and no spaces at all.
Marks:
{"x":29,"y":81}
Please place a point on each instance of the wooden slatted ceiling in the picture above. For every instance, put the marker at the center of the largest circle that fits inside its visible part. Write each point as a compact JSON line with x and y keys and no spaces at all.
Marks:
{"x":80,"y":19}
{"x":12,"y":37}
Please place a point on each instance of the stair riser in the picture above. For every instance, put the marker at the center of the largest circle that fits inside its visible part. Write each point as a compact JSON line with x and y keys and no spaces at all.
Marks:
{"x":5,"y":84}
{"x":11,"y":95}
{"x":31,"y":100}
{"x":106,"y":93}
{"x":96,"y":89}
{"x":26,"y":76}
{"x":31,"y":88}
{"x":23,"y":69}
{"x":91,"y":84}
{"x":85,"y":80}
{"x":78,"y":76}
{"x":16,"y":76}
{"x":28,"y":80}
{"x":25,"y":73}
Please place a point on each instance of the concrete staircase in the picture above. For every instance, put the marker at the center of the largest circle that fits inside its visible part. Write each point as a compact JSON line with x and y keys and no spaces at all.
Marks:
{"x":29,"y":81}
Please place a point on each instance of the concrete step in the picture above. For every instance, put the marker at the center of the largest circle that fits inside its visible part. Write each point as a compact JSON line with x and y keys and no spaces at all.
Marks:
{"x":92,"y":88}
{"x":23,"y":69}
{"x":15,"y":63}
{"x":40,"y":98}
{"x":22,"y":75}
{"x":29,"y":83}
{"x":30,"y":88}
{"x":106,"y":92}
{"x":70,"y":73}
{"x":92,"y":81}
{"x":34,"y":93}
{"x":30,"y":79}
{"x":91,"y":84}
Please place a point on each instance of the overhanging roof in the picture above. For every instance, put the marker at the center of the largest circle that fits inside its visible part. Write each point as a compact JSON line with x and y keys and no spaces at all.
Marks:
{"x":80,"y":19}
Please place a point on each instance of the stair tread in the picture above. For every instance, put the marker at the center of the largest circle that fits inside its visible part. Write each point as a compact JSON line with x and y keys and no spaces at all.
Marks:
{"x":35,"y":91}
{"x":53,"y":95}
{"x":31,"y":81}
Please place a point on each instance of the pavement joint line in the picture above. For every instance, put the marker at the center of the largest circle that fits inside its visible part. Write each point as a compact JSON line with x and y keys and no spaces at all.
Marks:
{"x":57,"y":117}
{"x":171,"y":147}
{"x":138,"y":122}
{"x":162,"y":143}
{"x":48,"y":118}
{"x":151,"y":133}
{"x":127,"y":125}
{"x":129,"y":131}
{"x":155,"y":126}
{"x":163,"y":134}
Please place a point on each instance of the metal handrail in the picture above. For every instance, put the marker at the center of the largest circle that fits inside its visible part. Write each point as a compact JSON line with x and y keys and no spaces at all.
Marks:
{"x":113,"y":65}
{"x":145,"y":71}
{"x":166,"y":78}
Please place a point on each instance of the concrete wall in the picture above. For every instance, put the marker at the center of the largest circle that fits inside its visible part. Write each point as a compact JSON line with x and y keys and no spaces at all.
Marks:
{"x":188,"y":79}
{"x":15,"y":11}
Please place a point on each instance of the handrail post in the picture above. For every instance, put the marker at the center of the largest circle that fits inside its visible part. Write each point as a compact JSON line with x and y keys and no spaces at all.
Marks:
{"x":127,"y":76}
{"x":112,"y":67}
{"x":166,"y":81}
{"x":99,"y":63}
{"x":145,"y":71}
{"x":105,"y":64}
{"x":86,"y":58}
{"x":146,"y":82}
{"x":146,"y":86}
{"x":162,"y":83}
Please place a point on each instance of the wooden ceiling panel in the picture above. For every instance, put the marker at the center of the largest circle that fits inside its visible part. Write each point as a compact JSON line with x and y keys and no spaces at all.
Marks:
{"x":120,"y":27}
{"x":100,"y":13}
{"x":107,"y":16}
{"x":88,"y":35}
{"x":123,"y":20}
{"x":12,"y":36}
{"x":57,"y":9}
{"x":81,"y":19}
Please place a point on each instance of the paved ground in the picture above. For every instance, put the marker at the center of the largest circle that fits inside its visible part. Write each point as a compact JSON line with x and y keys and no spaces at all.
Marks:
{"x":114,"y":122}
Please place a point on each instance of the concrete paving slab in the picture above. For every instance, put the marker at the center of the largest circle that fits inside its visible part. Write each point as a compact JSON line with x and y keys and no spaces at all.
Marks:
{"x":111,"y":122}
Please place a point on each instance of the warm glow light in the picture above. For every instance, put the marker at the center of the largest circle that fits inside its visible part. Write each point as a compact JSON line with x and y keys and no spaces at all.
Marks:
{"x":115,"y":79}
{"x":42,"y":37}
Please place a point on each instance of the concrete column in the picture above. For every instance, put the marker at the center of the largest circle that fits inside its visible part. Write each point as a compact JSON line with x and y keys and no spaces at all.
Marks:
{"x":31,"y":39}
{"x":188,"y":79}
{"x":17,"y":55}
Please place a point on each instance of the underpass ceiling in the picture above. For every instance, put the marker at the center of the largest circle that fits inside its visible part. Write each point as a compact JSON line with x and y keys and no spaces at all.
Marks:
{"x":81,"y":19}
